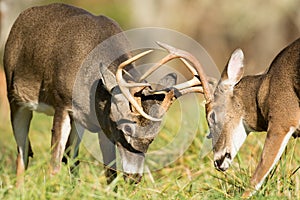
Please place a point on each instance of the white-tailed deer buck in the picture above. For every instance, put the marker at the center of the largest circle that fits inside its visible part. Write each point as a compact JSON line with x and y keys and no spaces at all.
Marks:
{"x":45,"y":51}
{"x":267,"y":102}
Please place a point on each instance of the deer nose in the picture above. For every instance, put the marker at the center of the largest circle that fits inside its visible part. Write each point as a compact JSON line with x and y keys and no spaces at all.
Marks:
{"x":220,"y":165}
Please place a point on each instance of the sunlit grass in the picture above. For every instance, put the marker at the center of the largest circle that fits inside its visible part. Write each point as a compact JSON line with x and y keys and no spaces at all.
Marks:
{"x":188,"y":177}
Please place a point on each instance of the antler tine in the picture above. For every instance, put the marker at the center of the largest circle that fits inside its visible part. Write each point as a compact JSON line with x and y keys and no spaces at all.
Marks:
{"x":198,"y":89}
{"x":134,"y":58}
{"x":119,"y":76}
{"x":187,"y":56}
{"x":124,"y":86}
{"x":172,"y":54}
{"x":190,"y":83}
{"x":192,"y":69}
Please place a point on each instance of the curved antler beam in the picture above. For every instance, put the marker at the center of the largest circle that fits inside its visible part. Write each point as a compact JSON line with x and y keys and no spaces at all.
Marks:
{"x":187,"y":56}
{"x":124,"y":86}
{"x":198,"y":83}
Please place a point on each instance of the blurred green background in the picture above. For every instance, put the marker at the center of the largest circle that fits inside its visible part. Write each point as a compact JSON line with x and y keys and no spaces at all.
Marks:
{"x":260,"y":28}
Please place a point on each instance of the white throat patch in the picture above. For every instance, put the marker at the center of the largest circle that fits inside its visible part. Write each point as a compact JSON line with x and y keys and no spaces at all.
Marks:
{"x":239,"y":136}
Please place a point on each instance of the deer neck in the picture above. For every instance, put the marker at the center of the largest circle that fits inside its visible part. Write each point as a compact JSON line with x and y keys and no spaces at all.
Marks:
{"x":248,"y":90}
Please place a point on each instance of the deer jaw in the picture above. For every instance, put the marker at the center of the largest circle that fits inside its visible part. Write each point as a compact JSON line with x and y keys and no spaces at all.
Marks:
{"x":224,"y":155}
{"x":132,"y":164}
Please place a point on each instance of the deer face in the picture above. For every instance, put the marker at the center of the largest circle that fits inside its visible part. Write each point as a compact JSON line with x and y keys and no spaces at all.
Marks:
{"x":225,"y":114}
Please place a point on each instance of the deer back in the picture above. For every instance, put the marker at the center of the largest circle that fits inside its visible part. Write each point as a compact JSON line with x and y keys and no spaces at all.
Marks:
{"x":46,"y":48}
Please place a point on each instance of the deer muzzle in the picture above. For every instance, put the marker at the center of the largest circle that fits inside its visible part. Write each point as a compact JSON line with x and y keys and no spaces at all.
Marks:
{"x":222,"y":163}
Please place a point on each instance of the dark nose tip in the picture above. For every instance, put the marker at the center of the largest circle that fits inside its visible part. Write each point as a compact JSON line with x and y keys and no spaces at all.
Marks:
{"x":219,"y":162}
{"x":216,"y":164}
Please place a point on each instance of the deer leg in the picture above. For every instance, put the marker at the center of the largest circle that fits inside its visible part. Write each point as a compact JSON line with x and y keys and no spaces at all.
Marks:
{"x":108,"y":150}
{"x":276,"y":141}
{"x":72,"y":146}
{"x":60,"y":133}
{"x":21,"y":118}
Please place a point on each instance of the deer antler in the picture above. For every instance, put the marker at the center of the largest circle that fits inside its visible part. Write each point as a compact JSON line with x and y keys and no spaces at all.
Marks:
{"x":124,"y":86}
{"x":199,"y":81}
{"x":197,"y":84}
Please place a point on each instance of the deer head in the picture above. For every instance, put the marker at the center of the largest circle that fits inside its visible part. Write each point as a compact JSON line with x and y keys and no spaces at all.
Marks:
{"x":265,"y":102}
{"x":147,"y":103}
{"x":225,"y":112}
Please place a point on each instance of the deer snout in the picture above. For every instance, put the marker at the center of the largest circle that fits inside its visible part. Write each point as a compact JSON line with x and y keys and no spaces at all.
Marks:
{"x":223,"y":162}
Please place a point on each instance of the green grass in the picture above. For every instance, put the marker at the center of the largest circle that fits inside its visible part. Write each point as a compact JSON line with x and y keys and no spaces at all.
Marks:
{"x":188,"y":177}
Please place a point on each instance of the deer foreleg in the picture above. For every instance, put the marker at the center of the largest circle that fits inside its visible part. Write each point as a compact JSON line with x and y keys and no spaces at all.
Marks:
{"x":275,"y":144}
{"x":60,"y":133}
{"x":21,"y":118}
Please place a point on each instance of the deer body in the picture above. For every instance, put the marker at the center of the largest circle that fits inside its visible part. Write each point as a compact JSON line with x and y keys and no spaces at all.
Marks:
{"x":44,"y":52}
{"x":267,"y":102}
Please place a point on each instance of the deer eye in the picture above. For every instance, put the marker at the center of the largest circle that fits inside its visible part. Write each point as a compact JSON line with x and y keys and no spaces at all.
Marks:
{"x":127,"y":129}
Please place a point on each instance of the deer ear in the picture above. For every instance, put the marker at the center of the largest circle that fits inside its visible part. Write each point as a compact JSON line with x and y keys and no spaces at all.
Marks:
{"x":235,"y":68}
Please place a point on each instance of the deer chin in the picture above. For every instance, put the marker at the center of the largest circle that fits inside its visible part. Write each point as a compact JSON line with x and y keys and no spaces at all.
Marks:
{"x":224,"y":158}
{"x":132,"y":164}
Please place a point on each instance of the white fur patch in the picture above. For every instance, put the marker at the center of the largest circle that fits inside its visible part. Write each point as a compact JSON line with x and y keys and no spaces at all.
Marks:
{"x":235,"y":65}
{"x":40,"y":107}
{"x":239,"y":136}
{"x":133,"y":168}
{"x":226,"y":163}
{"x":132,"y":163}
{"x":65,"y":131}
